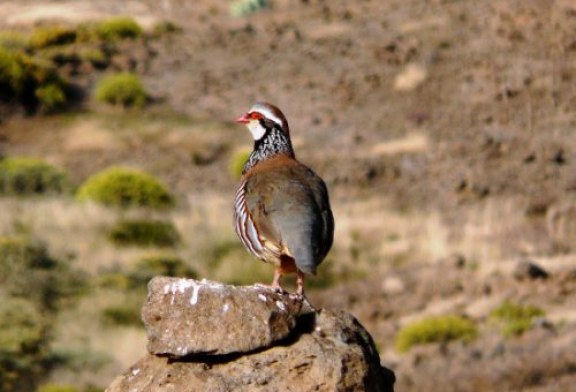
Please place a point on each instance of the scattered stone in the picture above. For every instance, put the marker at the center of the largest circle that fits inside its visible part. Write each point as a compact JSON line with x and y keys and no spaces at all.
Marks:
{"x":186,"y":316}
{"x":457,"y":260}
{"x":393,"y":285}
{"x":412,"y":76}
{"x":527,"y":269}
{"x":561,"y":224}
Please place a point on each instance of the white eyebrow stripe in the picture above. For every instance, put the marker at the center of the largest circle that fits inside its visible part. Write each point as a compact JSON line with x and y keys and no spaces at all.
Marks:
{"x":267,"y":113}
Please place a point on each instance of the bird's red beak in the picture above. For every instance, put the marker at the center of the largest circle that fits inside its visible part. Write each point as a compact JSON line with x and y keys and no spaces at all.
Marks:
{"x":244,"y":119}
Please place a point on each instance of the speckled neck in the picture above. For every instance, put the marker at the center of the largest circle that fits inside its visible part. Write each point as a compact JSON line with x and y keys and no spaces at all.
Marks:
{"x":273,"y":143}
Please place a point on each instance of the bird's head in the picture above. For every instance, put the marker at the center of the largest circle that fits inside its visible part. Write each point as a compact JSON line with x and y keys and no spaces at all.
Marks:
{"x":262,"y":118}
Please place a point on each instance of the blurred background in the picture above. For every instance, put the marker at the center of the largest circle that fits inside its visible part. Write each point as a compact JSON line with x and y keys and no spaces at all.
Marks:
{"x":443,"y":128}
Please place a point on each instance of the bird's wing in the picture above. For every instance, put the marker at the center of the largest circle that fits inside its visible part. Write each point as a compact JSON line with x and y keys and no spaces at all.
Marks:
{"x":290,"y":210}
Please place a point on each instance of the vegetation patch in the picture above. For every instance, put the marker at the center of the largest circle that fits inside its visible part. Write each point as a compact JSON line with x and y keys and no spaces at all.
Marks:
{"x":42,"y":37}
{"x":30,"y":82}
{"x":30,"y":272}
{"x":125,"y":314}
{"x":247,"y":7}
{"x":237,"y":162}
{"x":124,"y":89}
{"x":435,"y":329}
{"x":229,"y":262}
{"x":13,"y":40}
{"x":57,"y":388}
{"x":26,"y":176}
{"x":141,"y":232}
{"x":159,"y":265}
{"x":22,"y":342}
{"x":121,"y":187}
{"x":515,"y":319}
{"x":118,"y":28}
{"x":51,"y":96}
{"x":165,"y":27}
{"x":33,"y":287}
{"x":36,"y":70}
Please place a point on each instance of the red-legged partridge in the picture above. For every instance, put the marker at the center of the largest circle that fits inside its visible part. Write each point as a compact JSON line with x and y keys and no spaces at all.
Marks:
{"x":282,"y":211}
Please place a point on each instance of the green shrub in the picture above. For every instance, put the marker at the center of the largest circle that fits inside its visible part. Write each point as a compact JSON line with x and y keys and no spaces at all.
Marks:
{"x":93,"y":388}
{"x":93,"y":55}
{"x":141,"y":232}
{"x":114,"y":280}
{"x":125,"y":314}
{"x":21,"y":326}
{"x":124,"y":89}
{"x":237,"y":163}
{"x":166,"y":27}
{"x":328,"y":276}
{"x":228,"y":261}
{"x":243,"y":271}
{"x":121,"y":187}
{"x":435,"y":329}
{"x":23,"y":341}
{"x":33,"y":285}
{"x":12,"y":75}
{"x":118,"y":28}
{"x":515,"y":319}
{"x":45,"y":36}
{"x":57,"y":388}
{"x":13,"y":40}
{"x":247,"y":7}
{"x":159,"y":265}
{"x":31,"y":82}
{"x":24,"y":176}
{"x":28,"y":271}
{"x":59,"y":55}
{"x":51,"y":96}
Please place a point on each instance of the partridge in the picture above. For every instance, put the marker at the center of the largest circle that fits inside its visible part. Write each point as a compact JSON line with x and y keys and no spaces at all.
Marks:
{"x":282,"y":211}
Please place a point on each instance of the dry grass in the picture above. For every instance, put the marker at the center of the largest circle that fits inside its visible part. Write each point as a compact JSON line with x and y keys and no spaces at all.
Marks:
{"x":89,"y":135}
{"x":82,"y":333}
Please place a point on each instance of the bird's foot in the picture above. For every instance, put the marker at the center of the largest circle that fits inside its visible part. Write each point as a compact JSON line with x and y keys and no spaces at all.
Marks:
{"x":273,"y":287}
{"x":307,"y":306}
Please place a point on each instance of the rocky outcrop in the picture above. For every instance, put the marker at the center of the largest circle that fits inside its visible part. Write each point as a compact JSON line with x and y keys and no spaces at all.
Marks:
{"x":207,"y":336}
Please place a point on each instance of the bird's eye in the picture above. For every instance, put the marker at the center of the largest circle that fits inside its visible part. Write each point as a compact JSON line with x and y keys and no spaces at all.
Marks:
{"x":255,"y":116}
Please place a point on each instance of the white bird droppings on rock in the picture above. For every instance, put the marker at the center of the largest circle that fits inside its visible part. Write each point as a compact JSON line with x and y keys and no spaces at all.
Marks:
{"x":204,"y":317}
{"x":180,"y":286}
{"x":194,"y":297}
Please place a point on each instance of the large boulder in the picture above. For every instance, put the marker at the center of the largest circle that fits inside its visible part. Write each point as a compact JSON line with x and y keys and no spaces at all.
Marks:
{"x":207,"y":336}
{"x":185,"y":316}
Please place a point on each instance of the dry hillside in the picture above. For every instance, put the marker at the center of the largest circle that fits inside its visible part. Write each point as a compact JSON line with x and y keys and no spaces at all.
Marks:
{"x":444,"y":130}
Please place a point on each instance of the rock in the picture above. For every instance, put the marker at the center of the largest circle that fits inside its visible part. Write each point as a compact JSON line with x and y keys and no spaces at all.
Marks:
{"x":186,"y":316}
{"x":527,"y":269}
{"x":412,"y":76}
{"x":393,"y":285}
{"x":457,"y":260}
{"x":323,"y":350}
{"x":330,"y":352}
{"x":561,"y":224}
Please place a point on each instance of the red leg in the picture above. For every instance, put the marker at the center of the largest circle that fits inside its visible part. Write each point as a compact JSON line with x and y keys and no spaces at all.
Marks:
{"x":300,"y":283}
{"x":276,"y":281}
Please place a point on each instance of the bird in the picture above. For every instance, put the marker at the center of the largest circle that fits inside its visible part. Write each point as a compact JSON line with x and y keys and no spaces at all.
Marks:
{"x":282,"y":211}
